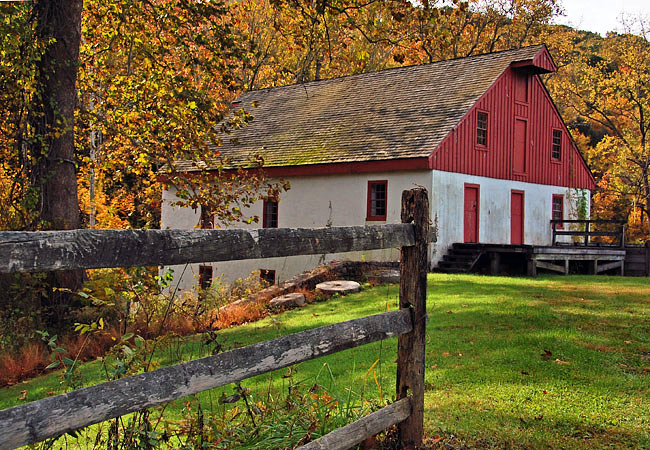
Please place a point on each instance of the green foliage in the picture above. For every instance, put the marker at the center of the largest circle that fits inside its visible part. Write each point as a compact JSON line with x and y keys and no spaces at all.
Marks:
{"x":19,"y":54}
{"x":20,"y":309}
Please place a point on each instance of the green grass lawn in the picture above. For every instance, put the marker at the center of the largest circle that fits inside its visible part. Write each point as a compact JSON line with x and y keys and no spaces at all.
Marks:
{"x":560,"y":362}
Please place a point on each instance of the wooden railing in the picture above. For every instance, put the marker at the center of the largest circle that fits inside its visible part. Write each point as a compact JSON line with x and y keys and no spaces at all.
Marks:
{"x":587,"y":232}
{"x":81,"y":249}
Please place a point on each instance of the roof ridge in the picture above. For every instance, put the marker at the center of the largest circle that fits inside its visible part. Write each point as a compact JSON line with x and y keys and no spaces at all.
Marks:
{"x":389,"y":69}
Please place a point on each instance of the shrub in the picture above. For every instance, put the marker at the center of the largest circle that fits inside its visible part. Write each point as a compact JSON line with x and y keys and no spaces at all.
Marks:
{"x":29,"y":361}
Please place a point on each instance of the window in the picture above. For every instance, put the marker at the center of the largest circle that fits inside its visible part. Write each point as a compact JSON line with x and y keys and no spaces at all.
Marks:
{"x":481,"y":128}
{"x":558,"y":209}
{"x":556,"y":150}
{"x":205,"y":277}
{"x":268,"y":276}
{"x":377,"y":198}
{"x":270,"y":216}
{"x":207,"y":220}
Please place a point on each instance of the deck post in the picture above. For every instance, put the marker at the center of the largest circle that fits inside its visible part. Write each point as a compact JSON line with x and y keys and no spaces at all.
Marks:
{"x":587,"y":229}
{"x":622,"y":237}
{"x":495,"y":263}
{"x":531,"y":269}
{"x":554,"y":233}
{"x":412,"y":295}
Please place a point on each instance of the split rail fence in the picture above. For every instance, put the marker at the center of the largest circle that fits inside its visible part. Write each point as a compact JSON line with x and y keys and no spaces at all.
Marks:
{"x":86,"y":249}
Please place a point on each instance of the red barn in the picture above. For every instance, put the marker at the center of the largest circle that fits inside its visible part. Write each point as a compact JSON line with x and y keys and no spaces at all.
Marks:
{"x":480,"y":133}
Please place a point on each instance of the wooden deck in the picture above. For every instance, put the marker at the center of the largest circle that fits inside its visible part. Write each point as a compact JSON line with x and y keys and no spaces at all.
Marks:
{"x":594,"y":260}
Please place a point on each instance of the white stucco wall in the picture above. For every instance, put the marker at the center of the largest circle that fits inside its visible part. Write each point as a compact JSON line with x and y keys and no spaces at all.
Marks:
{"x":315,"y":201}
{"x":494,"y":210}
{"x":341,"y":200}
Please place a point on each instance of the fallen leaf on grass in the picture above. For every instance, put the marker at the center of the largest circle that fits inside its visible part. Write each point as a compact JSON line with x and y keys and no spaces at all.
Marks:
{"x":559,"y":361}
{"x":446,"y":354}
{"x":437,"y":438}
{"x":314,"y":314}
{"x":628,"y":342}
{"x":23,"y":395}
{"x":547,"y":354}
{"x":434,"y":366}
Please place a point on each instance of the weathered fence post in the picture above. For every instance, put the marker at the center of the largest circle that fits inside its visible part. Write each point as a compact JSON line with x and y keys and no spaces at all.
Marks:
{"x":414,"y":266}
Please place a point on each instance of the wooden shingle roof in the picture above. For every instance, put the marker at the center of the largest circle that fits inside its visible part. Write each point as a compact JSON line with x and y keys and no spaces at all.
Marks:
{"x":391,"y":114}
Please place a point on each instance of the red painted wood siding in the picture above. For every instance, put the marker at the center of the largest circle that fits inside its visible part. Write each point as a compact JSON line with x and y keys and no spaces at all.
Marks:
{"x":458,"y":152}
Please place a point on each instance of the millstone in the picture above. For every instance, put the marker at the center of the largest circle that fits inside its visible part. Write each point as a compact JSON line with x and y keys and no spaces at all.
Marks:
{"x":339,"y":287}
{"x":288,"y":300}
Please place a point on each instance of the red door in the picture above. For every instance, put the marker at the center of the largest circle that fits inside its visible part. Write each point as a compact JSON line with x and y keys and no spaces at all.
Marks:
{"x":471,"y":213}
{"x":519,"y":152}
{"x":516,"y":217}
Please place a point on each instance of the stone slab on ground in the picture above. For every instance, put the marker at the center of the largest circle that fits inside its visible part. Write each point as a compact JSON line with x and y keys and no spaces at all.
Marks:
{"x":383,"y":276}
{"x":339,"y":287}
{"x":288,"y":300}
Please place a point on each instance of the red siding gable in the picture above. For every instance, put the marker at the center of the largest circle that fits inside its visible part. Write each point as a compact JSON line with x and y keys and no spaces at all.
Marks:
{"x":508,"y":110}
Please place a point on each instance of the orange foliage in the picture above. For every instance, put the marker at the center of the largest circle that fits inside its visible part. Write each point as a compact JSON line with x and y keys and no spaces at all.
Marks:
{"x":16,"y":367}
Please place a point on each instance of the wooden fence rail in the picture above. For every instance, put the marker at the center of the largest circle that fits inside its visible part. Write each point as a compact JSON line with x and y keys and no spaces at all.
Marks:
{"x":94,"y":249}
{"x":586,"y":233}
{"x":43,"y":419}
{"x":50,"y":417}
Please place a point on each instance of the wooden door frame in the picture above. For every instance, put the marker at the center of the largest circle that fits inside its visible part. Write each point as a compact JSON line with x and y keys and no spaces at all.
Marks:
{"x":523,"y":214}
{"x":478,"y":207}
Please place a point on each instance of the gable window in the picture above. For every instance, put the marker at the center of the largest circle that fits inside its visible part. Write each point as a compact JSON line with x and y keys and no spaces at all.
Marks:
{"x":205,"y":277}
{"x":481,"y":128}
{"x":207,"y":220}
{"x":557,"y":212}
{"x":377,"y":200}
{"x":267,"y":276}
{"x":270,"y":216}
{"x":556,"y":150}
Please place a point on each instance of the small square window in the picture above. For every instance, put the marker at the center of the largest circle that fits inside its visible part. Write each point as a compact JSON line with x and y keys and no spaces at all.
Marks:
{"x":558,"y":209}
{"x":205,"y":277}
{"x":377,"y":200}
{"x":267,"y":276}
{"x":481,"y":128}
{"x":556,"y":150}
{"x":270,"y":216}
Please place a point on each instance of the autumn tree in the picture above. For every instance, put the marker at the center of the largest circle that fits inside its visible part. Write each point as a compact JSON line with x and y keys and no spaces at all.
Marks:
{"x":608,"y":87}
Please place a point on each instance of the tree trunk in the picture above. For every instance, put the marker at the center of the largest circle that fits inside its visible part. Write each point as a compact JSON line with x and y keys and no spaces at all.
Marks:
{"x":58,"y":29}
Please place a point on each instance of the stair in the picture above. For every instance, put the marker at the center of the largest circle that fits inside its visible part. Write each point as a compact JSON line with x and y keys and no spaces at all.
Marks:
{"x":460,"y":258}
